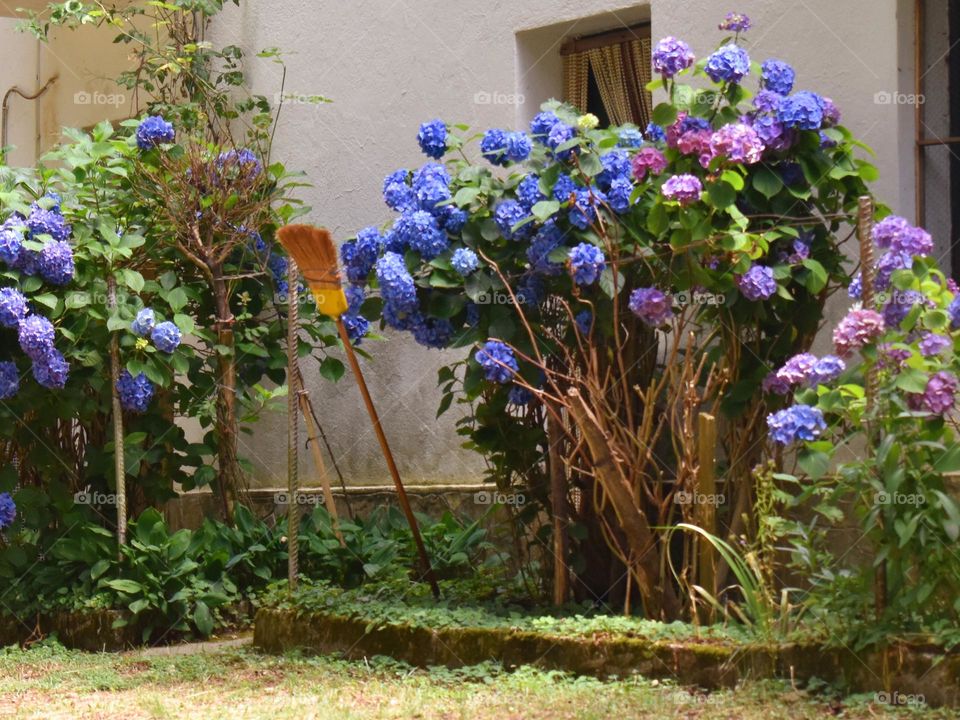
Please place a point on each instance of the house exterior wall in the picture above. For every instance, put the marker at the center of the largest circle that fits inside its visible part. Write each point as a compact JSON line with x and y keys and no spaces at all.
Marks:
{"x":390,"y":65}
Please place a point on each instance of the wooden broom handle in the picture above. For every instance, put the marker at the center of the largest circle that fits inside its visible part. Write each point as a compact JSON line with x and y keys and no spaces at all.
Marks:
{"x":388,"y":455}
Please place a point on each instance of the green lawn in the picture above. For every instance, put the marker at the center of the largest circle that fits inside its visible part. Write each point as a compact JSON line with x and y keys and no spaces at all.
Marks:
{"x":51,"y":683}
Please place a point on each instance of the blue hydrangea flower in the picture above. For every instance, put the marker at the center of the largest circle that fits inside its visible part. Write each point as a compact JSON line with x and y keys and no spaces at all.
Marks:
{"x":8,"y":511}
{"x":9,"y":380}
{"x":541,"y":125}
{"x":13,"y":307}
{"x":757,"y":283}
{"x":560,"y":134}
{"x":135,"y":392}
{"x":464,"y":261}
{"x":153,"y":131}
{"x":802,"y":110}
{"x":47,"y":222}
{"x":357,"y":327}
{"x":493,"y":146}
{"x":583,"y":211}
{"x":36,"y":336}
{"x":655,"y":133}
{"x":431,"y":185}
{"x":396,"y":283}
{"x":355,"y":298}
{"x":618,"y":197}
{"x":421,"y":232}
{"x":954,"y":312}
{"x":671,"y":56}
{"x":528,"y":191}
{"x":498,"y":361}
{"x":392,"y":242}
{"x":166,"y":337}
{"x":587,"y":262}
{"x":241,"y":163}
{"x":799,"y":422}
{"x":767,"y":101}
{"x":899,"y":306}
{"x":433,"y":138}
{"x":11,"y":240}
{"x":547,"y":239}
{"x":584,"y":321}
{"x":519,"y":396}
{"x":564,"y":188}
{"x":777,"y":76}
{"x":531,"y":289}
{"x":397,"y":193}
{"x":729,"y":64}
{"x":429,"y":174}
{"x":630,"y":137}
{"x":855,"y":290}
{"x":56,"y":262}
{"x":432,"y":332}
{"x":509,"y":213}
{"x":826,"y":369}
{"x":360,"y":254}
{"x":932,"y":344}
{"x":518,"y":146}
{"x":735,"y":22}
{"x":51,"y":370}
{"x":454,"y":219}
{"x":616,"y":164}
{"x":28,"y":263}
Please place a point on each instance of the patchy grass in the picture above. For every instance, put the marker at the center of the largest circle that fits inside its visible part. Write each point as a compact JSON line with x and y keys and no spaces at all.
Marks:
{"x":51,"y":683}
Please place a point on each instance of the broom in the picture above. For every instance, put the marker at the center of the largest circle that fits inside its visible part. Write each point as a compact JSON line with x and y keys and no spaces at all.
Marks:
{"x":313,"y":250}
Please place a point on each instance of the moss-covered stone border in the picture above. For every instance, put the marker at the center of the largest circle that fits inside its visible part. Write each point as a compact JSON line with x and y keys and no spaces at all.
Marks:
{"x":709,"y":664}
{"x":90,"y":630}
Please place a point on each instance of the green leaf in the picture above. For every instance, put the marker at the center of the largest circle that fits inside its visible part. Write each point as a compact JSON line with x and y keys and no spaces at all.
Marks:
{"x":664,"y":114}
{"x":203,"y":619}
{"x":125,"y":586}
{"x":132,"y":279}
{"x":767,"y":182}
{"x":544,"y":209}
{"x":177,"y":299}
{"x":817,"y":278}
{"x":332,"y":369}
{"x":721,"y":195}
{"x":814,"y":463}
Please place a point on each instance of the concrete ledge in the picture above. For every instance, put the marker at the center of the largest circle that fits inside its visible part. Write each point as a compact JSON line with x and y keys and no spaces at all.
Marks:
{"x":709,"y":664}
{"x":90,"y":630}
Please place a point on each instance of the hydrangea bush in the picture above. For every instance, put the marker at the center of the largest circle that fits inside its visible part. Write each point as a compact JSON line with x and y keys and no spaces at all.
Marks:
{"x":897,"y":399}
{"x":722,"y":218}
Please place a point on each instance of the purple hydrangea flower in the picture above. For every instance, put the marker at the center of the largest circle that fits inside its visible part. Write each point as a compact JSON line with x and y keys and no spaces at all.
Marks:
{"x":508,"y":214}
{"x":777,"y":76}
{"x":396,"y":284}
{"x":13,"y":307}
{"x":757,"y":283}
{"x":541,"y":125}
{"x":901,"y":302}
{"x":8,"y":511}
{"x":240,"y":164}
{"x":940,"y":393}
{"x":729,"y":64}
{"x":735,"y":22}
{"x":672,"y":56}
{"x":586,"y":263}
{"x":648,"y":159}
{"x":827,"y":369}
{"x":9,"y":380}
{"x":494,"y":146}
{"x":464,"y":261}
{"x":47,"y":222}
{"x":796,"y":423}
{"x":135,"y":392}
{"x":166,"y":337}
{"x":831,"y":113}
{"x":498,"y":361}
{"x":855,"y":290}
{"x":773,"y":383}
{"x":915,"y":241}
{"x":36,"y":336}
{"x":888,"y":264}
{"x":685,"y":189}
{"x":737,"y":142}
{"x":433,"y":138}
{"x":56,"y":262}
{"x":859,"y":327}
{"x":953,"y":310}
{"x":888,"y":229}
{"x":802,"y":110}
{"x":51,"y":370}
{"x":767,"y":101}
{"x":153,"y":131}
{"x":797,"y":369}
{"x":653,"y":306}
{"x":932,"y":344}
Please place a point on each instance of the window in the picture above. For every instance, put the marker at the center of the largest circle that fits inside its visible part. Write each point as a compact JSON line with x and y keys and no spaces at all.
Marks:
{"x":607,"y":74}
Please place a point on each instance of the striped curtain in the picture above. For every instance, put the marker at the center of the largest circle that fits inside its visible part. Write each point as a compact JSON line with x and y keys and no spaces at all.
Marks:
{"x":621,"y":71}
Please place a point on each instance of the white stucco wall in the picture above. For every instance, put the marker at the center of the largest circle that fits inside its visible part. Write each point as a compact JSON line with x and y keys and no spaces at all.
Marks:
{"x":389,"y":65}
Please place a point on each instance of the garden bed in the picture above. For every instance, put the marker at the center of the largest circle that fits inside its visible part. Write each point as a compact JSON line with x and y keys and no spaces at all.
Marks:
{"x":90,"y":630}
{"x":708,"y":661}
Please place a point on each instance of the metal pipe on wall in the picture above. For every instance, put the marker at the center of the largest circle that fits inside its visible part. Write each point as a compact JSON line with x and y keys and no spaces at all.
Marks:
{"x":4,"y":117}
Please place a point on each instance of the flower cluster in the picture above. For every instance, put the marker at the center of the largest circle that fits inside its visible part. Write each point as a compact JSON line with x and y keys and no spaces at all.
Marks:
{"x":166,"y":336}
{"x":757,"y":283}
{"x":135,"y":392}
{"x":672,"y":56}
{"x":498,"y":361}
{"x":804,"y":370}
{"x":8,"y":511}
{"x":44,"y":224}
{"x":154,"y":131}
{"x":586,"y":263}
{"x":653,"y":306}
{"x":858,"y":328}
{"x":433,"y":139}
{"x":796,"y":423}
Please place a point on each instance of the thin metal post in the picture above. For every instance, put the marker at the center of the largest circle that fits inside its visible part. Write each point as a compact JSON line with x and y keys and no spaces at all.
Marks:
{"x":120,"y":465}
{"x":293,"y":426}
